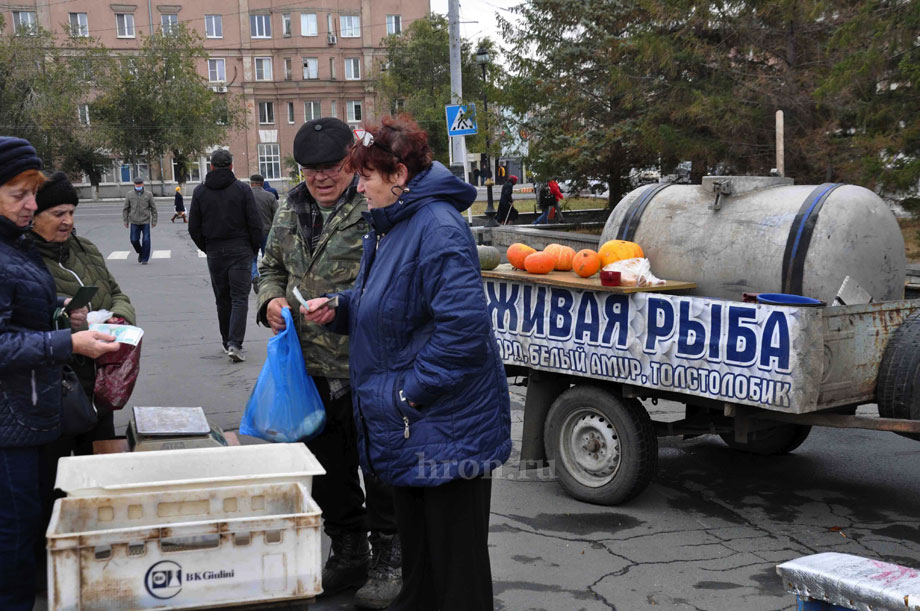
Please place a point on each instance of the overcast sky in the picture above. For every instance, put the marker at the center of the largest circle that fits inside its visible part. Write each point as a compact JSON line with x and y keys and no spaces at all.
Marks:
{"x":477,"y":17}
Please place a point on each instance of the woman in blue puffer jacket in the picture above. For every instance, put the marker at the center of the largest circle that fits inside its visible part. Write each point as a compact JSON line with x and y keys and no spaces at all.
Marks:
{"x":430,"y":393}
{"x":31,"y":358}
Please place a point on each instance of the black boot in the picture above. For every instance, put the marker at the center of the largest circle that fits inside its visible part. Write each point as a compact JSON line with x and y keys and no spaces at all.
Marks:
{"x":348,"y":562}
{"x":384,"y":580}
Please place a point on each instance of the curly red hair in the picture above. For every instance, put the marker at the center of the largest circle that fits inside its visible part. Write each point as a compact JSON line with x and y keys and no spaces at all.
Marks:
{"x":396,"y":140}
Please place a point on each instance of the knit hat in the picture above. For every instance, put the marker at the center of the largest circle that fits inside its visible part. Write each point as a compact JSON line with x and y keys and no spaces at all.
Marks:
{"x":178,"y":189}
{"x":16,"y":156}
{"x":513,"y":179}
{"x":322,"y":141}
{"x":55,"y":191}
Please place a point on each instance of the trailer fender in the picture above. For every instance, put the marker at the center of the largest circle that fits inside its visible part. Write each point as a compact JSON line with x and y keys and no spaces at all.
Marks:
{"x":542,"y":390}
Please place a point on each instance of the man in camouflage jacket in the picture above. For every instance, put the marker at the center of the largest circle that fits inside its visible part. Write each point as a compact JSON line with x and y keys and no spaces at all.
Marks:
{"x":315,"y":243}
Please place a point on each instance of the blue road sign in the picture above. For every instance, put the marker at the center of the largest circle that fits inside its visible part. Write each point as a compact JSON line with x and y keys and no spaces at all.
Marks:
{"x":461,"y":119}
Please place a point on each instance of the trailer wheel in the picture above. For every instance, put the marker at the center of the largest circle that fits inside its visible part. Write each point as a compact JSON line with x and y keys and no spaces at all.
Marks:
{"x":780,"y":439}
{"x":897,"y":390}
{"x":602,"y":448}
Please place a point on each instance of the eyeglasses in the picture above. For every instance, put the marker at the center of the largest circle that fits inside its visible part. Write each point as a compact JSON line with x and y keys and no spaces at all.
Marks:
{"x":328,"y":172}
{"x":366,"y":139}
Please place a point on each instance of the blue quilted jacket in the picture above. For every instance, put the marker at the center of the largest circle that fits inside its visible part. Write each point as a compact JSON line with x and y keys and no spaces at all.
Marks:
{"x":419,"y":330}
{"x":31,"y":353}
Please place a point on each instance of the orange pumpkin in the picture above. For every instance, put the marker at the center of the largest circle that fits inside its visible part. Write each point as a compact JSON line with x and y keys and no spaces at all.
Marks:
{"x":617,"y":250}
{"x":517,"y":253}
{"x":586,"y":263}
{"x":564,"y":256}
{"x":540,"y":263}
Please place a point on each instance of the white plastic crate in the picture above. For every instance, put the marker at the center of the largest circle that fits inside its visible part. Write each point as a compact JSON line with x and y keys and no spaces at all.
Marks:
{"x":108,"y":474}
{"x":194,"y":548}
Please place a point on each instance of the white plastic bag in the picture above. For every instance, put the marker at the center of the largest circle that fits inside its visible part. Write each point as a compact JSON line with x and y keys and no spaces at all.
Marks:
{"x":634,"y":272}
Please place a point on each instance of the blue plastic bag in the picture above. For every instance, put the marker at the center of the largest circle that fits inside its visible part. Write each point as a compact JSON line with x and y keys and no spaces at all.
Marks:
{"x":285,"y":405}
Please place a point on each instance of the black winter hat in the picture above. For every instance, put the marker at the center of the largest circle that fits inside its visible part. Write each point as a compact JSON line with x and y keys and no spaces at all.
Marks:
{"x":221,"y":158}
{"x":16,"y":156}
{"x":322,"y":141}
{"x":55,"y":191}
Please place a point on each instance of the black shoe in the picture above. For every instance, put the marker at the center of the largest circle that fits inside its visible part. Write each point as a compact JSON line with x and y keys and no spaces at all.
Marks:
{"x":347,"y":564}
{"x":139,"y":256}
{"x":384,"y":579}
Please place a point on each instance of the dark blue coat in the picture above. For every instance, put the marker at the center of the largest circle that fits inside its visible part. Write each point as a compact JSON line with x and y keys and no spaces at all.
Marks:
{"x":418,"y":323}
{"x":31,"y":353}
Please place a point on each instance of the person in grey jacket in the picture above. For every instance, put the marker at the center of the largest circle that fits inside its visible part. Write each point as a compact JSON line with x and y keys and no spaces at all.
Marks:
{"x":267,"y":205}
{"x":140,"y":212}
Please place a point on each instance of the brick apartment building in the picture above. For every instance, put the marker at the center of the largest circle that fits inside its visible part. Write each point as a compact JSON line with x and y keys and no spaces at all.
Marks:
{"x":291,"y":60}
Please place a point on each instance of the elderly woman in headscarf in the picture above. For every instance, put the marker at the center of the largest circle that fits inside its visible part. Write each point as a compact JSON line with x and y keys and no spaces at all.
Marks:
{"x":32,"y":355}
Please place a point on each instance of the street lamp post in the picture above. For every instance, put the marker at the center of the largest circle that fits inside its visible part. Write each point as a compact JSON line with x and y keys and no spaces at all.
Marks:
{"x":482,"y":58}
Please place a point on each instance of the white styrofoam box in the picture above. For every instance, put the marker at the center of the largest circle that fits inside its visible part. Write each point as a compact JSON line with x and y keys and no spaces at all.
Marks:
{"x":192,"y":548}
{"x":108,"y":474}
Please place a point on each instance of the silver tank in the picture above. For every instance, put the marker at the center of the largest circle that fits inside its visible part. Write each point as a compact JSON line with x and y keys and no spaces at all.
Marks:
{"x":736,"y":234}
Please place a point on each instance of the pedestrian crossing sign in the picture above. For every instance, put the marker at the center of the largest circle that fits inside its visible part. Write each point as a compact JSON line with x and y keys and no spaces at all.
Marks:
{"x":461,"y":119}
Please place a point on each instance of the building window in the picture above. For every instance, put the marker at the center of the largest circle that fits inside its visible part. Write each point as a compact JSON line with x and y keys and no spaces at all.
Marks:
{"x":266,"y":112}
{"x":332,"y":68}
{"x":263,"y":68}
{"x":124,"y":25}
{"x":310,"y":68}
{"x":394,"y":24}
{"x":214,"y":26}
{"x":270,"y":161}
{"x":290,"y":112}
{"x":83,"y":114}
{"x":352,"y":68}
{"x":169,"y":23}
{"x":286,"y":25}
{"x":308,"y":24}
{"x":217,"y":70}
{"x":260,"y":26}
{"x":333,"y":112}
{"x":138,"y":170}
{"x":287,"y":68}
{"x":79,"y":24}
{"x":311,"y":110}
{"x":350,"y":26}
{"x":24,"y":22}
{"x":354,"y":111}
{"x":194,"y":170}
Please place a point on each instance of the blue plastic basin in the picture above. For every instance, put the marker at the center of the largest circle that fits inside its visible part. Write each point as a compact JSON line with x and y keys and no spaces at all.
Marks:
{"x":784,"y":299}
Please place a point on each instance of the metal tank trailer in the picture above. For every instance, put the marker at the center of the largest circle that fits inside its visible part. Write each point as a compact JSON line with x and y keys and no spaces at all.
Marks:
{"x":737,"y":234}
{"x":730,"y":235}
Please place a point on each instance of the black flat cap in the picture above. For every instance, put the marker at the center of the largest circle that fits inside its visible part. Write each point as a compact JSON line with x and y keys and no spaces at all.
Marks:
{"x":322,"y":141}
{"x":138,"y":181}
{"x":55,"y":191}
{"x":221,"y":158}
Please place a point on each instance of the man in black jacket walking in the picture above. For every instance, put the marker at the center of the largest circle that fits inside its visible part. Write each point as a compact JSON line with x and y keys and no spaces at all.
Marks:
{"x":224,"y":223}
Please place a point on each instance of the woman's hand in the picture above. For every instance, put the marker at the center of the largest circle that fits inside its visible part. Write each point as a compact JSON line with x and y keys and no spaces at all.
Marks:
{"x":78,"y":318}
{"x":273,"y":314}
{"x":316,"y":313}
{"x":93,"y":343}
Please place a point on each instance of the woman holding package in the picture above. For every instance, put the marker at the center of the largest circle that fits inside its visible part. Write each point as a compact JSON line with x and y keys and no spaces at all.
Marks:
{"x":430,"y":393}
{"x":75,"y":262}
{"x":32,"y":354}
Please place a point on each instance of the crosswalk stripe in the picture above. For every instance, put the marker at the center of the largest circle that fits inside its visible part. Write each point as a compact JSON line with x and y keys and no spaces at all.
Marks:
{"x":202,"y":255}
{"x":118,"y":254}
{"x":161,"y":254}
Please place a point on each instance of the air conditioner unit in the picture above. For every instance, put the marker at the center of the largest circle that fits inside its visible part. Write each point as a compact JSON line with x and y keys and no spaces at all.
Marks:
{"x":332,"y":39}
{"x":219,"y":88}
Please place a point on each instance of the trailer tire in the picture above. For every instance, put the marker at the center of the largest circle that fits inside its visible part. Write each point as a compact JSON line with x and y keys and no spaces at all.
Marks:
{"x":780,"y":439}
{"x":897,"y":389}
{"x":623,"y":453}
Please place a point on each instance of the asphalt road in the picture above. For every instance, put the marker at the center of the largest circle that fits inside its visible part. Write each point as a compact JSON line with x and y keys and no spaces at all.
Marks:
{"x":707,"y":534}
